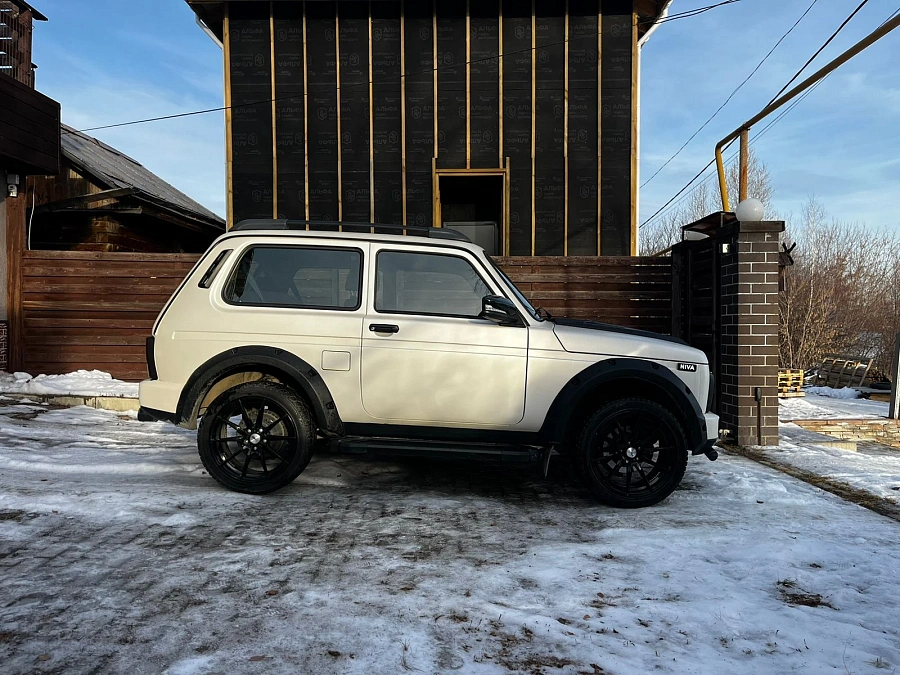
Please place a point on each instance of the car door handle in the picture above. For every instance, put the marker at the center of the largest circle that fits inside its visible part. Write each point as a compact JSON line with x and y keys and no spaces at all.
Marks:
{"x":384,"y":328}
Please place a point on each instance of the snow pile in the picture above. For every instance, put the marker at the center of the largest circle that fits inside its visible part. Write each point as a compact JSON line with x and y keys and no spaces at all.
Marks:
{"x":79,"y":383}
{"x":831,"y":392}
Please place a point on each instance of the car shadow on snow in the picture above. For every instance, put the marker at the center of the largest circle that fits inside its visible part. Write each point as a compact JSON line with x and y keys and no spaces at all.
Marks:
{"x":451,"y":477}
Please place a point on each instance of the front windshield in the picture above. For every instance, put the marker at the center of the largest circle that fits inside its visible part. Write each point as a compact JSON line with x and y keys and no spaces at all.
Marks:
{"x":531,"y":310}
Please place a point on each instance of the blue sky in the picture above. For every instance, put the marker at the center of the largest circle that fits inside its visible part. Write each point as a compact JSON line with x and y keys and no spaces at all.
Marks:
{"x":109,"y":61}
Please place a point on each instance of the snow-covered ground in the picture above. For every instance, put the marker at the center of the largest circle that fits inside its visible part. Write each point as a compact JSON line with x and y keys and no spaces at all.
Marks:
{"x":78,"y":383}
{"x":119,"y":555}
{"x":872,"y":468}
{"x":814,"y":407}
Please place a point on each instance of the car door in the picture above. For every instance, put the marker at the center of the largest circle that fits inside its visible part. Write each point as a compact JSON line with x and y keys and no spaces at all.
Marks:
{"x":427,"y":357}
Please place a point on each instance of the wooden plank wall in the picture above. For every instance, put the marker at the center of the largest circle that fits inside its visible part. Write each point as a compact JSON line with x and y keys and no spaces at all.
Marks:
{"x":94,"y":310}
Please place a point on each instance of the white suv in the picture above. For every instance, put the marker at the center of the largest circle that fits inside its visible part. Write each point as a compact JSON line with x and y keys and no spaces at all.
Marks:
{"x":418,"y":344}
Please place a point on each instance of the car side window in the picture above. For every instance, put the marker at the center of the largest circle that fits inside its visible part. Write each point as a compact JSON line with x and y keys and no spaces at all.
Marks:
{"x":293,"y":276}
{"x":427,"y":283}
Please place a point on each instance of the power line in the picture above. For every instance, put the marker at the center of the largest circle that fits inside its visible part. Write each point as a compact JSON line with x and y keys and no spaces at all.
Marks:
{"x":820,"y":50}
{"x":688,"y":13}
{"x":731,"y":95}
{"x":435,"y":70}
{"x":665,"y":208}
{"x":778,"y":118}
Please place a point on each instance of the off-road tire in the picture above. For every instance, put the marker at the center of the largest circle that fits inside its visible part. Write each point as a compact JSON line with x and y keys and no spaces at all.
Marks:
{"x":631,"y":453}
{"x":238,"y":457}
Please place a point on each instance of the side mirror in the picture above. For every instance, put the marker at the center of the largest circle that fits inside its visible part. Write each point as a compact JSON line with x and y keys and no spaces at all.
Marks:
{"x":500,"y":310}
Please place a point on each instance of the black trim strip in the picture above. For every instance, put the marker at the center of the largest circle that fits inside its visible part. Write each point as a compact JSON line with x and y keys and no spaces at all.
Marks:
{"x":152,"y":415}
{"x":653,"y":374}
{"x":207,"y":278}
{"x":445,"y":434}
{"x":288,"y":367}
{"x":151,"y":358}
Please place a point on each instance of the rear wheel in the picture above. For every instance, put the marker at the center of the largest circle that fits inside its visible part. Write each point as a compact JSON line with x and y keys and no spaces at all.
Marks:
{"x":256,"y":438}
{"x":631,"y":453}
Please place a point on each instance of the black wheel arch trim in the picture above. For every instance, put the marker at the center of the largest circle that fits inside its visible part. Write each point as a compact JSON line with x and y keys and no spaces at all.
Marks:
{"x":268,"y":360}
{"x":556,"y":422}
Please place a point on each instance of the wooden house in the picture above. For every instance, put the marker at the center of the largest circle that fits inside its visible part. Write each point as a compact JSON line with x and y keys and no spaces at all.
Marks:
{"x":103,"y":200}
{"x":522,"y":113}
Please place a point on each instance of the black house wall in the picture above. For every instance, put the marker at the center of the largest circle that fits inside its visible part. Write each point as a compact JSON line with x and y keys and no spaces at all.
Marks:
{"x":349,"y":137}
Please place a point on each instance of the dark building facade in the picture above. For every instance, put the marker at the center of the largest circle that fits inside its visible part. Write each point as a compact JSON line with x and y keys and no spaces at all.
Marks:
{"x":517,"y":112}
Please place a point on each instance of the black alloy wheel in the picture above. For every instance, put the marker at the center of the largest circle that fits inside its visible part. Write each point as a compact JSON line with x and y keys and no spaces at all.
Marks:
{"x":256,"y":437}
{"x":632,"y":453}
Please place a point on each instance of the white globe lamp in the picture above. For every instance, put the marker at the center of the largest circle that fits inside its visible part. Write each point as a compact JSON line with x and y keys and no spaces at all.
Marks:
{"x":749,"y":211}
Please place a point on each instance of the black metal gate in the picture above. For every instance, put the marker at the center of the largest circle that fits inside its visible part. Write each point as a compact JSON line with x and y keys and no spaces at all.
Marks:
{"x":696,"y":299}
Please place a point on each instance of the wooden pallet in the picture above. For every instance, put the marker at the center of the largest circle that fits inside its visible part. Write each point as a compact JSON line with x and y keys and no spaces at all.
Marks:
{"x":790,"y":383}
{"x":842,"y":371}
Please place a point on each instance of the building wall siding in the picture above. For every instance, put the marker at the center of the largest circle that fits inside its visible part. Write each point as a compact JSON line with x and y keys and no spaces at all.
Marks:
{"x":540,"y":89}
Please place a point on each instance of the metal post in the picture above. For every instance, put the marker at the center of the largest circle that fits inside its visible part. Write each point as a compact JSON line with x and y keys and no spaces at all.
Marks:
{"x":894,"y":411}
{"x":745,"y":158}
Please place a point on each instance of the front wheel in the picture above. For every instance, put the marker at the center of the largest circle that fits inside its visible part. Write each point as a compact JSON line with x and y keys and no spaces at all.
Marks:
{"x":256,"y":438}
{"x":631,"y":453}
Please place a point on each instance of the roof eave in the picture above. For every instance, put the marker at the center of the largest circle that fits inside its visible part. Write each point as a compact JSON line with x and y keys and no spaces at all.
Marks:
{"x":650,"y":13}
{"x":35,"y":14}
{"x":212,"y":14}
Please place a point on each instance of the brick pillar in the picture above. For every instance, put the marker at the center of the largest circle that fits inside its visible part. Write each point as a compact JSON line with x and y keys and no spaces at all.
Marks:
{"x":749,"y":330}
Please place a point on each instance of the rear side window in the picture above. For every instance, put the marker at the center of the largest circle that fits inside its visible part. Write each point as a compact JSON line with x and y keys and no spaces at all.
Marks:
{"x":292,"y":276}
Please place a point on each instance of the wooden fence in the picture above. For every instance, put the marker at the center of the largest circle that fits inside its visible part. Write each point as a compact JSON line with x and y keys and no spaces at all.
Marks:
{"x":633,"y":292}
{"x":94,"y":310}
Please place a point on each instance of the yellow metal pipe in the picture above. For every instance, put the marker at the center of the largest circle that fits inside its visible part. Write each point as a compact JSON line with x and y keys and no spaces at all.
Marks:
{"x":743,"y":178}
{"x":867,"y":41}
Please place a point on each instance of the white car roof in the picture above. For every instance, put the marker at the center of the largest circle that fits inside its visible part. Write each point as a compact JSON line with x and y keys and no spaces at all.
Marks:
{"x":411,"y":239}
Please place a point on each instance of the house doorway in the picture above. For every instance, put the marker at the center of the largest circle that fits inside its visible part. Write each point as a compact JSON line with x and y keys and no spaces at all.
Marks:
{"x":475,"y":204}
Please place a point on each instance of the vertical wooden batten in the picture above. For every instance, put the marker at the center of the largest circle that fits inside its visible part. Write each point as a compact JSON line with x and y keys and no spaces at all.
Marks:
{"x":599,"y":129}
{"x":434,"y":52}
{"x":533,"y":101}
{"x":305,"y":119}
{"x":500,"y":90}
{"x":506,"y":205}
{"x":468,"y":85}
{"x":566,"y":135}
{"x":229,"y":128}
{"x":403,"y":107}
{"x":436,"y":217}
{"x":274,"y":113}
{"x":337,"y":77}
{"x":371,"y":127}
{"x":634,"y":132}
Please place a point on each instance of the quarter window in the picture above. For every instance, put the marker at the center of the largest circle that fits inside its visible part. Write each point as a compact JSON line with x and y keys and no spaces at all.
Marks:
{"x":427,"y":283}
{"x":292,"y":276}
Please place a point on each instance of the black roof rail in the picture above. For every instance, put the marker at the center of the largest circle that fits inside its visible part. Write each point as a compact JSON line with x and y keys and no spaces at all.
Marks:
{"x":360,"y":228}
